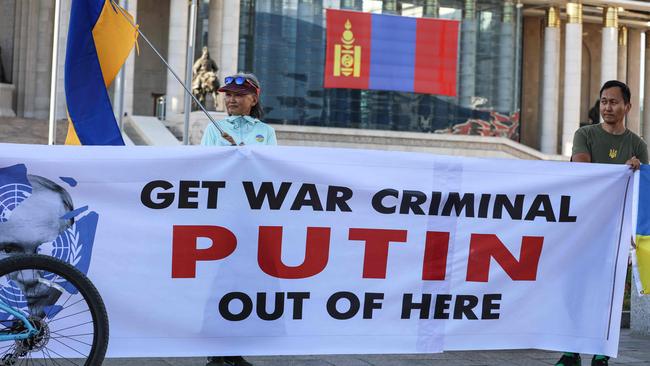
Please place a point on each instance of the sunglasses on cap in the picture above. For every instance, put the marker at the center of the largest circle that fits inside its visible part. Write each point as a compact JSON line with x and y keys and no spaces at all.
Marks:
{"x":240,"y":80}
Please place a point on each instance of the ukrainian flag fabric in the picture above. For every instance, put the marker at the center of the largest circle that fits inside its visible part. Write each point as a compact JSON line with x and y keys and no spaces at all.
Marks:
{"x":643,"y":230}
{"x":100,"y":39}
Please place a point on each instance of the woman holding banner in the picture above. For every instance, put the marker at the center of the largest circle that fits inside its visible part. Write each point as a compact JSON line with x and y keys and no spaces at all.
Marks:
{"x":243,"y":125}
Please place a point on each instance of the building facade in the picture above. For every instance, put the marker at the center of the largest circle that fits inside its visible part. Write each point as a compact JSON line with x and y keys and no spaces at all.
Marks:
{"x":527,"y":70}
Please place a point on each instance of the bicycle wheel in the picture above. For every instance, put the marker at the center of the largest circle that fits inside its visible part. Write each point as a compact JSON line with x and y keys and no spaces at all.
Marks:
{"x":61,"y":303}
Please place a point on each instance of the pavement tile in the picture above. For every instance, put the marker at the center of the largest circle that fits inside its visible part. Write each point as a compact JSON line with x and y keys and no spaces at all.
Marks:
{"x":288,"y":361}
{"x":29,"y":131}
{"x":142,"y":361}
{"x":348,"y":360}
{"x":634,"y":351}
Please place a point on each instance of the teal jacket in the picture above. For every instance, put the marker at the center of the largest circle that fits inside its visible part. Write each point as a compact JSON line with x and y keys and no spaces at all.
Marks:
{"x":246,"y":129}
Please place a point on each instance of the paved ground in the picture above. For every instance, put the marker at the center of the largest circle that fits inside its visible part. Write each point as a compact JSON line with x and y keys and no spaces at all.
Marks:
{"x":35,"y":131}
{"x":633,"y":350}
{"x":29,"y":131}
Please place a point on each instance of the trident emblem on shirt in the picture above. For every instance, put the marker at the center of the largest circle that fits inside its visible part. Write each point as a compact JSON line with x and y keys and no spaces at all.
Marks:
{"x":613,"y":153}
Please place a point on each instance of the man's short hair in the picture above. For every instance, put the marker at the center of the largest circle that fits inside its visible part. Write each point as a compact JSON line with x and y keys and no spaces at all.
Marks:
{"x":625,"y":90}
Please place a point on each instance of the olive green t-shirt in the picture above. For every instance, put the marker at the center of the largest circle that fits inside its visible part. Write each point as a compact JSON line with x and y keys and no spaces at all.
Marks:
{"x":607,"y":148}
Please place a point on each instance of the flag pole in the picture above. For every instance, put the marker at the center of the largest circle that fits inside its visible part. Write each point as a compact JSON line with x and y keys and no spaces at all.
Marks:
{"x":55,"y":56}
{"x":119,"y":85}
{"x":191,"y":33}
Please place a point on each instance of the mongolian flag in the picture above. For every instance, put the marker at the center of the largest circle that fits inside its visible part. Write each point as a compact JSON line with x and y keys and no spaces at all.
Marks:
{"x":387,"y":52}
{"x":100,"y":39}
{"x":641,"y":261}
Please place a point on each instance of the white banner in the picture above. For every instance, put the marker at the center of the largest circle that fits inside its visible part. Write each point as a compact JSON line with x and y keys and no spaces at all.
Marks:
{"x":285,"y":250}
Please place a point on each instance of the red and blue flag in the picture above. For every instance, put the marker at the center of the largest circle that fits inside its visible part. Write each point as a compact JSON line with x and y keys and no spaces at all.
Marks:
{"x":388,"y":52}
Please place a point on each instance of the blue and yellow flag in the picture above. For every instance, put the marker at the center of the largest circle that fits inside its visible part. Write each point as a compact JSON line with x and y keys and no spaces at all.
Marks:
{"x":100,"y":39}
{"x":642,"y":260}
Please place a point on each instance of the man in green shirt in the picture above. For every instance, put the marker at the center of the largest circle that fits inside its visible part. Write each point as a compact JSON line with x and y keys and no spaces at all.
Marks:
{"x":609,"y":142}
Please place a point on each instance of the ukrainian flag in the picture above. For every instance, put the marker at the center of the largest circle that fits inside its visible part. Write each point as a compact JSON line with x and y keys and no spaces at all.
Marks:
{"x":100,"y":39}
{"x":642,"y":258}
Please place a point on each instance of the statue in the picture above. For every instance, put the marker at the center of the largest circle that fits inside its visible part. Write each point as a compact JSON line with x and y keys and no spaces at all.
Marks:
{"x":205,"y":79}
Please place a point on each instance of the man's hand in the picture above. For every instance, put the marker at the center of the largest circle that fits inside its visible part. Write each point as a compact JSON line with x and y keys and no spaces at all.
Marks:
{"x":634,"y":163}
{"x":229,"y":138}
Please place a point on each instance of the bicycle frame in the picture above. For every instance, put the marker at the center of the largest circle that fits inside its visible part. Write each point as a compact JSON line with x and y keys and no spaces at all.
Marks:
{"x":29,"y":332}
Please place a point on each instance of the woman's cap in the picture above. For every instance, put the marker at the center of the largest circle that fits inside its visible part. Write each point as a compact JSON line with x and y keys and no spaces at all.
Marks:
{"x":241,"y":83}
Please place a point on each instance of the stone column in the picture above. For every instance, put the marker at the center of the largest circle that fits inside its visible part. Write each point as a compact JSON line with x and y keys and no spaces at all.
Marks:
{"x":215,"y":26}
{"x":41,"y":97}
{"x":20,"y":50}
{"x":506,"y":59}
{"x":646,"y":83}
{"x":178,"y":19}
{"x":550,"y":82}
{"x":7,"y":25}
{"x":572,"y":75}
{"x":32,"y":57}
{"x":622,"y":54}
{"x":468,"y":35}
{"x":223,"y":35}
{"x":633,"y":121}
{"x":223,"y":38}
{"x":129,"y":65}
{"x":64,"y":25}
{"x":609,"y":46}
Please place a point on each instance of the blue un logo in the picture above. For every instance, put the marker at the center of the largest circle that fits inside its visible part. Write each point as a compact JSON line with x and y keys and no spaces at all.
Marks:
{"x":14,"y":189}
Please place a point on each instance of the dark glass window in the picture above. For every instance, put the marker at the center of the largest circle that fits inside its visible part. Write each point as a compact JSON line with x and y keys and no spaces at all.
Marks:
{"x":283,"y":43}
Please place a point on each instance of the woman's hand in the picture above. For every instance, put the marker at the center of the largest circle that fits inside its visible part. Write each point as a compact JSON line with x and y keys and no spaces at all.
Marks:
{"x":228,"y":138}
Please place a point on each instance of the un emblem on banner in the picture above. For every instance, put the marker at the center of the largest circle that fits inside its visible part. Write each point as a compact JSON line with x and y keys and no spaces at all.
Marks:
{"x":11,"y":195}
{"x":10,"y":293}
{"x":68,"y":247}
{"x":73,"y":244}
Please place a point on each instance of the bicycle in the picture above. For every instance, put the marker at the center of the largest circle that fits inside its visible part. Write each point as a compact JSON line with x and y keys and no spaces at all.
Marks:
{"x":50,"y":314}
